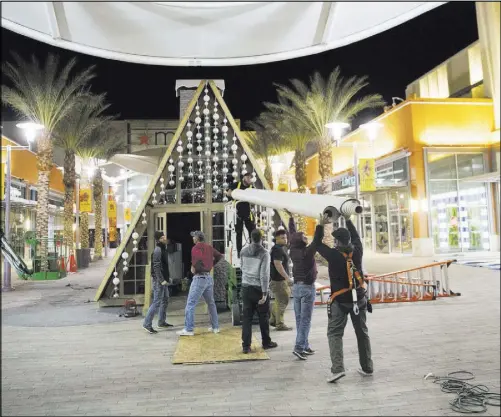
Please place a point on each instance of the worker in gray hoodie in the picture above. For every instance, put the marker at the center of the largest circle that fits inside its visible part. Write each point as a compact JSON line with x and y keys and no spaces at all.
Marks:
{"x":255,"y":266}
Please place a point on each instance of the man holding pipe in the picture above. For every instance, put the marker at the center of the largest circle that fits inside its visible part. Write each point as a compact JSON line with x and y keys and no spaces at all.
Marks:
{"x":347,"y":296}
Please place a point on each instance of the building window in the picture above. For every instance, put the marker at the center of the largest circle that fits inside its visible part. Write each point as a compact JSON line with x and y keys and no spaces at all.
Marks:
{"x":459,"y":209}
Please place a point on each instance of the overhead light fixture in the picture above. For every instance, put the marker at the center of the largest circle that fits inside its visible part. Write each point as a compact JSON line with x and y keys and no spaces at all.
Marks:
{"x":337,"y":129}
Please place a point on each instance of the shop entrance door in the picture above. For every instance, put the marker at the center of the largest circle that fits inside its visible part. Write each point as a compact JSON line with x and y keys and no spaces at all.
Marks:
{"x":400,"y":221}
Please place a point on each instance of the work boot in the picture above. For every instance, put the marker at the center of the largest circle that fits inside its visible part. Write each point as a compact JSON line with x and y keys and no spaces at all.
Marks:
{"x":270,"y":345}
{"x":283,"y":328}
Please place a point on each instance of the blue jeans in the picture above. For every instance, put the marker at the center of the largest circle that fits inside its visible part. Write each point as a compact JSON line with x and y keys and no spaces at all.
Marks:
{"x":304,"y":300}
{"x":160,"y":301}
{"x":201,"y":286}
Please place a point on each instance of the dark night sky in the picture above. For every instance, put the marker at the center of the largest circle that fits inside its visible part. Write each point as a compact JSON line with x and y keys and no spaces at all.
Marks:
{"x":392,"y":60}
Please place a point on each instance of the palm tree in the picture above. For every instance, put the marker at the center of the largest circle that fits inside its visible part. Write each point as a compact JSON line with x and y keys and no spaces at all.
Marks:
{"x":71,"y":134}
{"x":102,"y":144}
{"x":323,"y":102}
{"x":265,"y":143}
{"x":44,"y":95}
{"x":292,"y":137}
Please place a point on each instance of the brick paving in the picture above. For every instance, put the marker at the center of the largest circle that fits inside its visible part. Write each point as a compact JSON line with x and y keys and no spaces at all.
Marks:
{"x":61,"y":355}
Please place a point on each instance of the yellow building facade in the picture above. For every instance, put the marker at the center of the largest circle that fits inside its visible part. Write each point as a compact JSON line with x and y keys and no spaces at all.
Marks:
{"x":435,"y":161}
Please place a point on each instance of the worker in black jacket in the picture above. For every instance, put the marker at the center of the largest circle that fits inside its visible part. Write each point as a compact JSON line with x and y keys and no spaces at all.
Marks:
{"x":244,"y":213}
{"x":160,"y":278}
{"x":345,"y":269}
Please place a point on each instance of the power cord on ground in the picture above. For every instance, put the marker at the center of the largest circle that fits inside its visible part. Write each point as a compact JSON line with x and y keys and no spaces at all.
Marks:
{"x":470,"y":399}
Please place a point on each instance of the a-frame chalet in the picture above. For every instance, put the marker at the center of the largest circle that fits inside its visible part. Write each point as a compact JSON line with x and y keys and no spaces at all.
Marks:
{"x":207,"y":153}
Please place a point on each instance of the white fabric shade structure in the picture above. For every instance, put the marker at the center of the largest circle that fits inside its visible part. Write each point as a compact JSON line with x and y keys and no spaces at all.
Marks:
{"x":205,"y":33}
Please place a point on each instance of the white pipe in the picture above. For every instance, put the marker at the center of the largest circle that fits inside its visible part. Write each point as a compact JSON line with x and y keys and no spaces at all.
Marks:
{"x":310,"y":205}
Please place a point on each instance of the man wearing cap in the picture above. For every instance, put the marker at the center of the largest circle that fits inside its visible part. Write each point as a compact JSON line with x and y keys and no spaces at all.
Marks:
{"x":345,"y":262}
{"x":160,"y":279}
{"x":244,"y":214}
{"x":203,"y":258}
{"x":255,"y":264}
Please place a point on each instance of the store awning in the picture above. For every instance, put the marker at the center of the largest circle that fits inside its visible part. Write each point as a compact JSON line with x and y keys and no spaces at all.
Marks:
{"x":193,"y":33}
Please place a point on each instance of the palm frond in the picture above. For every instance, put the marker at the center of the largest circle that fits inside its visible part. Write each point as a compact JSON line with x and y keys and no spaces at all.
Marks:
{"x":44,"y":94}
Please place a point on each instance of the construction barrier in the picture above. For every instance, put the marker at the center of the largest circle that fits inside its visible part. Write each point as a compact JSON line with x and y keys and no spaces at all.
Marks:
{"x":424,"y":283}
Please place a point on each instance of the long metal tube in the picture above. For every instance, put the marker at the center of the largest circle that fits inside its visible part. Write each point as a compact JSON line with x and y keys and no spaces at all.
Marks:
{"x":310,"y":205}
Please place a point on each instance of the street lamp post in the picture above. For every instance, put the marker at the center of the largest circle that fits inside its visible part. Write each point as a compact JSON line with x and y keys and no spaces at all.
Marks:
{"x":30,"y":130}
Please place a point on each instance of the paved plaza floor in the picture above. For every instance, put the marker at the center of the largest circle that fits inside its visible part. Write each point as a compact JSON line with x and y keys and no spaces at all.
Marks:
{"x":62,"y":355}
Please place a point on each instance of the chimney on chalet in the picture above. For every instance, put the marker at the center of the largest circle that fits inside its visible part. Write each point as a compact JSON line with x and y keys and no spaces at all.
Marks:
{"x":185,"y":90}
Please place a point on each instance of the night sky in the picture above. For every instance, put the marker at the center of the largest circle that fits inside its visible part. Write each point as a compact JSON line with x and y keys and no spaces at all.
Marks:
{"x":392,"y":60}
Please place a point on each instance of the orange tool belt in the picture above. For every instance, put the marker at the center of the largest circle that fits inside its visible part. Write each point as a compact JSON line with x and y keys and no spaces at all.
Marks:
{"x":351,"y":271}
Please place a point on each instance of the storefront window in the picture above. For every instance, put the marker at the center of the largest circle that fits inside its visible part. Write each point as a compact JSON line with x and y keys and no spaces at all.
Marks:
{"x":470,"y":165}
{"x":381,"y":222}
{"x":442,"y":165}
{"x":458,"y":204}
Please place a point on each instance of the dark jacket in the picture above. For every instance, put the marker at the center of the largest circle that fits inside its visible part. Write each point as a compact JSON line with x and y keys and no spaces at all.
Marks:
{"x":338,"y":273}
{"x":243,"y":207}
{"x":304,"y":267}
{"x":160,"y":264}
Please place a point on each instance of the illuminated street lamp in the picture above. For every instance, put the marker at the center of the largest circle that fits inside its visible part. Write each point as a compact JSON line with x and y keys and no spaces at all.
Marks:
{"x":30,"y":130}
{"x":337,"y":129}
{"x":372,"y":129}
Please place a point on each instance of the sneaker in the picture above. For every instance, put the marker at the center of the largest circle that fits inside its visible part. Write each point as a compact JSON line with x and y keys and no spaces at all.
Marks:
{"x":210,"y":329}
{"x":299,"y":355}
{"x":270,"y":345}
{"x":273,"y":324}
{"x":335,"y":377}
{"x":309,"y":351}
{"x":246,"y":350}
{"x":283,"y":328}
{"x":150,"y":330}
{"x":185,"y":332}
{"x":164,"y":325}
{"x":363,"y":373}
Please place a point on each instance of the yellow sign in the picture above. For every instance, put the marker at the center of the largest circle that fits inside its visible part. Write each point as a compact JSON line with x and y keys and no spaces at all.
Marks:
{"x":367,"y":172}
{"x":2,"y":179}
{"x":85,"y":200}
{"x":112,"y":209}
{"x":127,"y":215}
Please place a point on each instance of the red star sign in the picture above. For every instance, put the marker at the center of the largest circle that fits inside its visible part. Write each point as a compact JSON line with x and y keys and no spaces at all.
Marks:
{"x":144,"y":140}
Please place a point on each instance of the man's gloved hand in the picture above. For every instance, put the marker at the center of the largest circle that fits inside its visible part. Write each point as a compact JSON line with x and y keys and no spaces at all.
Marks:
{"x":164,"y":282}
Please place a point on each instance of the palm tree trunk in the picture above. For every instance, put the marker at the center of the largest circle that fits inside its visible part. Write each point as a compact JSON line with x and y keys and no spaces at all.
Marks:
{"x":300,"y":171}
{"x":325,"y":171}
{"x":98,"y":228}
{"x":268,"y":175}
{"x":69,"y":191}
{"x":44,"y":165}
{"x":84,"y":230}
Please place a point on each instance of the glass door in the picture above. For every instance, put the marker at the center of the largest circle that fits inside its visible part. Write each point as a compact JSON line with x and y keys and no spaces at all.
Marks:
{"x":366,"y":221}
{"x":381,"y":223}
